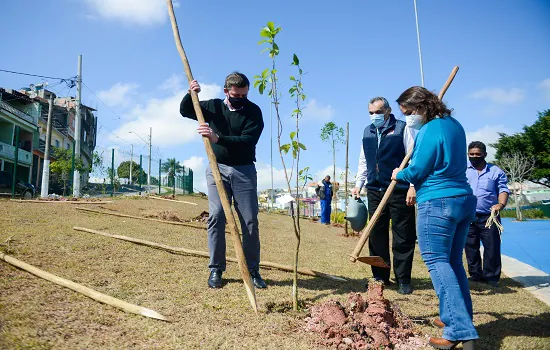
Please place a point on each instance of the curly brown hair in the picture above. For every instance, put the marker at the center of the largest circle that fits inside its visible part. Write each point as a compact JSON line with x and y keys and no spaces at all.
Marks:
{"x":417,"y":97}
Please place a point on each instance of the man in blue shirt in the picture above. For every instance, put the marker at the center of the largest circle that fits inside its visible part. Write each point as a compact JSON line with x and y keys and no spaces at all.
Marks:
{"x":489,"y":184}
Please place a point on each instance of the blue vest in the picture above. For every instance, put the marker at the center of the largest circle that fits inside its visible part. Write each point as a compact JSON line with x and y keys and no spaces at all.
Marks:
{"x":381,"y":160}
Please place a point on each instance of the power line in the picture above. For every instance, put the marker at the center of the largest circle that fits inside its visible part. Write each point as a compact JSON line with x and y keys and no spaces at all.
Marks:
{"x":30,"y":75}
{"x":106,"y":105}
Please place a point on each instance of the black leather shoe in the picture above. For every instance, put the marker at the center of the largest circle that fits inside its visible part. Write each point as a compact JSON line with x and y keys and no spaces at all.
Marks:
{"x":405,"y":288}
{"x":215,"y":279}
{"x":257,"y":280}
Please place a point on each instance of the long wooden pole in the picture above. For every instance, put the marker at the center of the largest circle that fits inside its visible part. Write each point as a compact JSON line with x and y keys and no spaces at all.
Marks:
{"x":302,"y":271}
{"x":95,"y":295}
{"x":366,"y":232}
{"x":231,"y":222}
{"x":188,"y":224}
{"x":171,"y":200}
{"x":59,"y":202}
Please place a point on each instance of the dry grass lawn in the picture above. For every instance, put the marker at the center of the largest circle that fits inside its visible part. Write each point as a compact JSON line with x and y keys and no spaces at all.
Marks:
{"x":36,"y":314}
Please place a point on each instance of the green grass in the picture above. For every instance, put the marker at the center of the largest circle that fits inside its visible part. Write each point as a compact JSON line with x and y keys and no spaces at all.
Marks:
{"x":36,"y":314}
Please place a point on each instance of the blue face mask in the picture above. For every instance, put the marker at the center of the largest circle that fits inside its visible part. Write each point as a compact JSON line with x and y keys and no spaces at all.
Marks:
{"x":377,"y":120}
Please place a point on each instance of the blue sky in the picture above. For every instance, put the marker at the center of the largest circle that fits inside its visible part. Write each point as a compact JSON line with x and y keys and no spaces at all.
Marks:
{"x":351,"y":51}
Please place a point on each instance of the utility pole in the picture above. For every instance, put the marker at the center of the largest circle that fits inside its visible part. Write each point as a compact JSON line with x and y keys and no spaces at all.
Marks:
{"x":15,"y":161}
{"x":149,"y":175}
{"x":419,"y":50}
{"x":131,"y":163}
{"x":78,"y":127}
{"x":346,"y":174}
{"x":44,"y":188}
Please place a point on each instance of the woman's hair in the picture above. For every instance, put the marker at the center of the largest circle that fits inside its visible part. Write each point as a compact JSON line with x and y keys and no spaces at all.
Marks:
{"x":417,"y":97}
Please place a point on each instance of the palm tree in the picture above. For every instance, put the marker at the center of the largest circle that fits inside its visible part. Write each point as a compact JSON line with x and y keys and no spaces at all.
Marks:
{"x":172,"y":167}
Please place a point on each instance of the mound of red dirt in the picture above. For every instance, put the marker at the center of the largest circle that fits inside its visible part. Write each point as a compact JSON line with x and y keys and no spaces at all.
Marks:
{"x":362,"y":324}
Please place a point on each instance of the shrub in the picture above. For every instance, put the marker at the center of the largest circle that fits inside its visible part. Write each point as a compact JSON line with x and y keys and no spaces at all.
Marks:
{"x":527,"y":213}
{"x":338,"y":217}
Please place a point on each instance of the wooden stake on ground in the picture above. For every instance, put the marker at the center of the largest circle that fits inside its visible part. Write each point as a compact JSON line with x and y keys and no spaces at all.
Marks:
{"x":93,"y":294}
{"x":366,"y":232}
{"x":302,"y":271}
{"x":230,"y":218}
{"x":65,"y":202}
{"x":171,"y":200}
{"x":188,"y":224}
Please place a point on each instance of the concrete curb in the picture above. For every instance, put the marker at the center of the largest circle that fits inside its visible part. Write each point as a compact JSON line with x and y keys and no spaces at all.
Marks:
{"x":533,"y":280}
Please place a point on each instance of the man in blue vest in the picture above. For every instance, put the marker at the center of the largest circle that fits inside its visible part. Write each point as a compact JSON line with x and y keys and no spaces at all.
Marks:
{"x":385,"y":144}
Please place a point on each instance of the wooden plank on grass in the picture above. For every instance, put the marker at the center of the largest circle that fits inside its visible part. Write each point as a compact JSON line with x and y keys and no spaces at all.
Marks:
{"x":91,"y":293}
{"x":188,"y":224}
{"x":171,"y":200}
{"x":64,"y":202}
{"x":269,"y":264}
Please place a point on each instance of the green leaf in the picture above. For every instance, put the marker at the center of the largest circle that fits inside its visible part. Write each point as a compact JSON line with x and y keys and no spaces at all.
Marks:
{"x":285,"y":148}
{"x":271,"y":26}
{"x":265,"y":32}
{"x":303,"y":97}
{"x":264,"y":41}
{"x":292,"y":78}
{"x":256,"y":83}
{"x":295,"y":61}
{"x":265,"y":73}
{"x":294,"y":153}
{"x":261,"y":89}
{"x":292,"y":135}
{"x":273,"y":71}
{"x":300,"y":71}
{"x":302,"y":146}
{"x":292,"y":90}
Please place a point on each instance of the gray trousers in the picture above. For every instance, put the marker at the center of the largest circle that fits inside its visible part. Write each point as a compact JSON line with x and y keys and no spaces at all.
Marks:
{"x":241,"y":185}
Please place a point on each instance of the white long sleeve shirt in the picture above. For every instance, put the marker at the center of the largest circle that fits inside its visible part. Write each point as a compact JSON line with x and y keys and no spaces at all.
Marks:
{"x":408,"y":142}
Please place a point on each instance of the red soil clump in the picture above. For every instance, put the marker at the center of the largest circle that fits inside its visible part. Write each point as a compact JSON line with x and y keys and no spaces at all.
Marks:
{"x":371,"y":323}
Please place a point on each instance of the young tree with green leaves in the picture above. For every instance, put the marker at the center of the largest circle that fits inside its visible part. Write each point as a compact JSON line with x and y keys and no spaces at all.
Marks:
{"x":268,"y":78}
{"x":62,"y":165}
{"x":334,"y":135}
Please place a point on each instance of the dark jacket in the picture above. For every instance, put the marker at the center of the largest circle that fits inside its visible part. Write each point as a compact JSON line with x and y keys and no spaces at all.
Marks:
{"x":320,"y":189}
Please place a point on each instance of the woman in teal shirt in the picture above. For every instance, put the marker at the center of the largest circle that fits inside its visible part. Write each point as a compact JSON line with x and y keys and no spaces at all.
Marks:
{"x":446,"y":207}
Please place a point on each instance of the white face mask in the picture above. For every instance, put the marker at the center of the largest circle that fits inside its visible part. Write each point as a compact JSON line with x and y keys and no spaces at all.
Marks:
{"x":414,"y":121}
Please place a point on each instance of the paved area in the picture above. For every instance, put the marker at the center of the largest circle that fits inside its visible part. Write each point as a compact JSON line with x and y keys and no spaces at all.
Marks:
{"x":525,"y":255}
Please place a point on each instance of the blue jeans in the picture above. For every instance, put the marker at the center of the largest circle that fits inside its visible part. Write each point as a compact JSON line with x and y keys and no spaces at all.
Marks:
{"x":442,"y":228}
{"x":325,"y":211}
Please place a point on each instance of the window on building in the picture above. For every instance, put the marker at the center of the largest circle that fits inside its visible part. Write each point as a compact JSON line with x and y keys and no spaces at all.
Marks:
{"x":68,"y":146}
{"x":57,"y":144}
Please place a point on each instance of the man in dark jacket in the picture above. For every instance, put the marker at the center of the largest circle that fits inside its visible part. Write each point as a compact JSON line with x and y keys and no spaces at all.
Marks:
{"x":324,"y":192}
{"x":234,"y":126}
{"x":385,"y":144}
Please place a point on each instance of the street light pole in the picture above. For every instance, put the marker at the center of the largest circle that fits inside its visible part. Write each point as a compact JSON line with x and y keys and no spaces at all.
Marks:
{"x":149,"y":175}
{"x":150,"y":146}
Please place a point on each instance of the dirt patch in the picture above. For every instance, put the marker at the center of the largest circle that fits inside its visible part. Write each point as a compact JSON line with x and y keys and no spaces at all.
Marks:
{"x":171,"y":197}
{"x":202,"y":217}
{"x":165,"y":215}
{"x":373,"y":323}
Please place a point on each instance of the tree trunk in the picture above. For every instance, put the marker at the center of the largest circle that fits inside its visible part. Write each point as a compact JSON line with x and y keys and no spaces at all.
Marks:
{"x":519,"y":216}
{"x":334,"y":178}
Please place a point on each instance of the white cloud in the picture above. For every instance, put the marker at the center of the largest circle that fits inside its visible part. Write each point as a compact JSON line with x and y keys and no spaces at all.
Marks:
{"x":162,"y":114}
{"x":119,"y":95}
{"x":545,"y":87}
{"x":488,"y":134}
{"x":264,"y":177}
{"x":313,"y":111}
{"x":198,"y":165}
{"x":142,"y":12}
{"x":500,"y":95}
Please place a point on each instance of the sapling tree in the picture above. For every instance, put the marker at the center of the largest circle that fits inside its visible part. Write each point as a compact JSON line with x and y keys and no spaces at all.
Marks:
{"x":268,"y":80}
{"x":333,"y":134}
